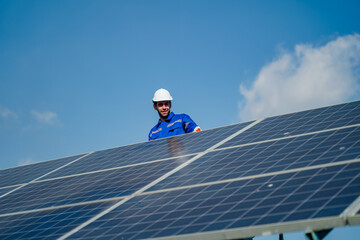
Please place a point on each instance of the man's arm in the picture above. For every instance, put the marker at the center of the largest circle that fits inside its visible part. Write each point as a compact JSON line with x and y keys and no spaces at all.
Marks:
{"x":189,"y":125}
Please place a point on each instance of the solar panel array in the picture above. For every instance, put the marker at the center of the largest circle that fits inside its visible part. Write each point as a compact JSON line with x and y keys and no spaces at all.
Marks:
{"x":293,"y":172}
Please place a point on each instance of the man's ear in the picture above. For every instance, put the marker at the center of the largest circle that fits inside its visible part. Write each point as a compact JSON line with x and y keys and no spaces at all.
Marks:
{"x":170,"y":105}
{"x":154,"y":105}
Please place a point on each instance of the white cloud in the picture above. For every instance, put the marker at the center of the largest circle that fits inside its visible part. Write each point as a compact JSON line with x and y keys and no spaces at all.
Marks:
{"x":5,"y":113}
{"x":46,"y":117}
{"x":307,"y":78}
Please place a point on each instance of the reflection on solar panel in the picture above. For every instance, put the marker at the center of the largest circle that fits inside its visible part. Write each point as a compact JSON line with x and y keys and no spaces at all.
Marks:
{"x":294,"y":172}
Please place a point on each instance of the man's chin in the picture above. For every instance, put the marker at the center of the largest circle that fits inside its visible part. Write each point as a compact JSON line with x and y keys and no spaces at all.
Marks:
{"x":164,"y":115}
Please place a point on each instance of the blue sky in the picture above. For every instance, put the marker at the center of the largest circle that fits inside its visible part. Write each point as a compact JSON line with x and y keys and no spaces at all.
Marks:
{"x":78,"y":76}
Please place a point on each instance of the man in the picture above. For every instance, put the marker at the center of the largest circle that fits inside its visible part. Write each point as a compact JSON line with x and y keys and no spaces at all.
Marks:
{"x":169,"y":124}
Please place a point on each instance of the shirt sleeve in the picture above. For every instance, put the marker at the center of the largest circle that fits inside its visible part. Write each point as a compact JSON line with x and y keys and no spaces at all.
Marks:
{"x":150,"y":135}
{"x":189,"y":125}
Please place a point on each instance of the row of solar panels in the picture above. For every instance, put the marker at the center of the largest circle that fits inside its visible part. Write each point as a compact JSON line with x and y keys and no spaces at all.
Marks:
{"x":289,"y":172}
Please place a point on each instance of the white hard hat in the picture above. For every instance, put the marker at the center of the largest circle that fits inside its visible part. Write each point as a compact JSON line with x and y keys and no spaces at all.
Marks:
{"x":162,"y":95}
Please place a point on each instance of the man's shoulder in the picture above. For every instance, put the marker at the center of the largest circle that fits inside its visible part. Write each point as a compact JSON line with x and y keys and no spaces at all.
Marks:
{"x":184,"y":117}
{"x":154,"y":128}
{"x":181,"y":115}
{"x":153,"y":131}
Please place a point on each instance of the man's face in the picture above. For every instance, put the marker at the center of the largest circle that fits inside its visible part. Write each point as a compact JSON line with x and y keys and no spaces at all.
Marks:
{"x":163,"y":108}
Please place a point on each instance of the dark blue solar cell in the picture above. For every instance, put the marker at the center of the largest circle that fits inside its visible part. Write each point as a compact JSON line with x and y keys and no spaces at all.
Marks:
{"x":284,"y":208}
{"x":243,"y":222}
{"x":207,"y":218}
{"x":271,"y":201}
{"x":183,"y":221}
{"x":316,"y":204}
{"x":271,"y":219}
{"x":191,"y":229}
{"x":198,"y":211}
{"x":218,"y":225}
{"x":310,"y":187}
{"x":257,"y":195}
{"x":233,"y":198}
{"x":298,"y":216}
{"x":330,"y":211}
{"x":258,"y":211}
{"x":346,"y":200}
{"x":350,"y":190}
{"x":284,"y":191}
{"x":234,"y":214}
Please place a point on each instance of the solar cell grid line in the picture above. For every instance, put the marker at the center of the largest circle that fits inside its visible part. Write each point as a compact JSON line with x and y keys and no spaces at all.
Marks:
{"x":85,"y":188}
{"x":277,"y":155}
{"x":5,"y":190}
{"x":157,"y":180}
{"x":48,"y":224}
{"x":171,"y":147}
{"x":23,"y":174}
{"x":244,"y":208}
{"x":301,"y":122}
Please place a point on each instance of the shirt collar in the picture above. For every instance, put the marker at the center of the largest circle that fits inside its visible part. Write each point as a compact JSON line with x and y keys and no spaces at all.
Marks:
{"x":168,"y":119}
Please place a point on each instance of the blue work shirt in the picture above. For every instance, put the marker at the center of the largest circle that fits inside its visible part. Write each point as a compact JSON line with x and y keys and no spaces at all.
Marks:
{"x":175,"y":124}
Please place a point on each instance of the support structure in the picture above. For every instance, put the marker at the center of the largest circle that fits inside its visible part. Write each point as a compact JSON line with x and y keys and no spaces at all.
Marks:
{"x":317,"y":235}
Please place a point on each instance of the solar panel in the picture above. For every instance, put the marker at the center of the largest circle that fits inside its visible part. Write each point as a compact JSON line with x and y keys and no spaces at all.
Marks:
{"x":293,"y":172}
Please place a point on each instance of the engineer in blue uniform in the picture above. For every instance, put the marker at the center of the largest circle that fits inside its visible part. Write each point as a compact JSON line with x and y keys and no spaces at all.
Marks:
{"x":169,"y":124}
